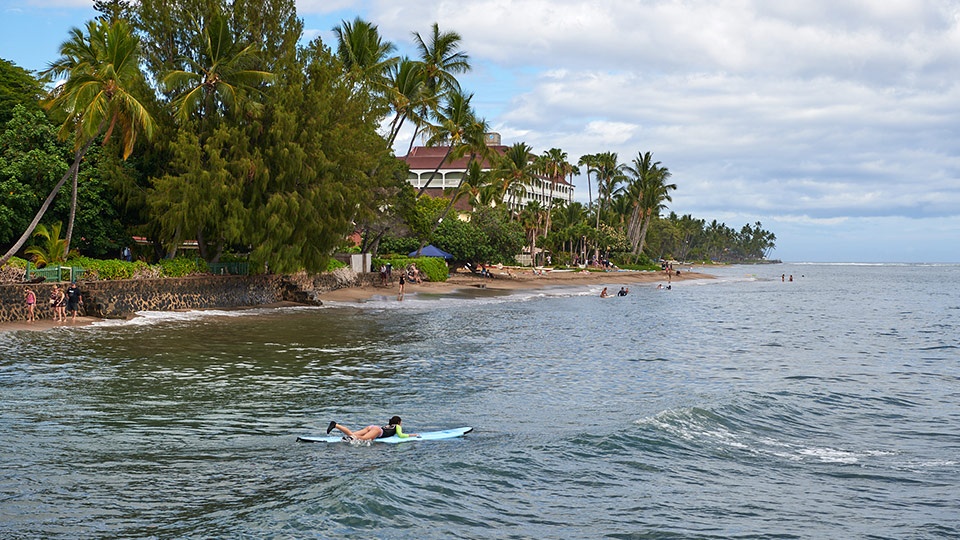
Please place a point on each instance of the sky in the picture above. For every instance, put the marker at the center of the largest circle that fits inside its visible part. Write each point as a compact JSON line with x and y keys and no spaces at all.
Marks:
{"x":835,"y":123}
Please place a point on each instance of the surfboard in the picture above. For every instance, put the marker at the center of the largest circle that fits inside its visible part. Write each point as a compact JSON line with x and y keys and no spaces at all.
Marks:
{"x":425,"y":436}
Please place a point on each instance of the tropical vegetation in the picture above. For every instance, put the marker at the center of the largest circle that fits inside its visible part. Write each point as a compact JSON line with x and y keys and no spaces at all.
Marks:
{"x":208,"y":129}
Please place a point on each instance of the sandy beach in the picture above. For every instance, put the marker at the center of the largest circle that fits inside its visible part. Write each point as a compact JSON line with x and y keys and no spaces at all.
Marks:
{"x":515,"y":280}
{"x":524,"y":279}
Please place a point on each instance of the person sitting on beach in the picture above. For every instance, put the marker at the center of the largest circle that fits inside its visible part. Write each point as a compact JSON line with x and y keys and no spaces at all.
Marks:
{"x":372,"y":432}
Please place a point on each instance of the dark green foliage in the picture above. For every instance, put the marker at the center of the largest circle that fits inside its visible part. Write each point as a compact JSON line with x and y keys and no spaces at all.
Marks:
{"x":17,"y":87}
{"x":400,"y":246}
{"x":504,"y":237}
{"x":464,"y":240}
{"x":489,"y":237}
{"x":31,"y":162}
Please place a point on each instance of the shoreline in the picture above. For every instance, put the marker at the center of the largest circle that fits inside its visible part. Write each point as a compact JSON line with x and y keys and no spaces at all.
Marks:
{"x":523,"y":280}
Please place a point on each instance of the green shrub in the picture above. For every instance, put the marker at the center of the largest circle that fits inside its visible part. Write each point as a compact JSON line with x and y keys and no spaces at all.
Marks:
{"x":335,"y":264}
{"x":183,"y":266}
{"x":105,"y":268}
{"x":434,"y":268}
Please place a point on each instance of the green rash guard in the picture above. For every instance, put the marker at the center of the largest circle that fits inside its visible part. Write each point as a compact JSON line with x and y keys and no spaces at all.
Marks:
{"x":390,"y":431}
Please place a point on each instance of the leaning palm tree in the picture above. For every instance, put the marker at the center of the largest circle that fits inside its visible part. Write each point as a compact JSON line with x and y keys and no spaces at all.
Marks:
{"x":651,"y":190}
{"x":441,"y":60}
{"x":102,"y":67}
{"x":456,"y":127}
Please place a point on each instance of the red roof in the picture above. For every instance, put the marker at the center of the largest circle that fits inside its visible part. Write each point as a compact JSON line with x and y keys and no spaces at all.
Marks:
{"x":427,"y":158}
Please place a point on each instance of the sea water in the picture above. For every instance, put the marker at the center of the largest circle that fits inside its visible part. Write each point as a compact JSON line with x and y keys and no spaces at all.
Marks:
{"x":737,"y":407}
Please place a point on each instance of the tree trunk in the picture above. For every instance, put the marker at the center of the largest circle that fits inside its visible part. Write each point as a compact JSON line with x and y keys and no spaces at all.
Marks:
{"x":549,"y":209}
{"x":643,"y":232}
{"x":73,"y":214}
{"x":447,"y":209}
{"x":46,"y":204}
{"x":416,"y":131}
{"x":434,"y":173}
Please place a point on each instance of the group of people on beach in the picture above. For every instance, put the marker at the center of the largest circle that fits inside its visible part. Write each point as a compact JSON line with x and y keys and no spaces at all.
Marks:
{"x":411,"y":273}
{"x":60,"y":302}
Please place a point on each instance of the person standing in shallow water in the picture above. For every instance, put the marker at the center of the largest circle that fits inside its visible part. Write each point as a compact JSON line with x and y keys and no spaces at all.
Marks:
{"x":402,"y":281}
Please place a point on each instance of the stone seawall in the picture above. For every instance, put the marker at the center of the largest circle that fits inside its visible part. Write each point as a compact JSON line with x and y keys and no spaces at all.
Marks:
{"x":123,"y":298}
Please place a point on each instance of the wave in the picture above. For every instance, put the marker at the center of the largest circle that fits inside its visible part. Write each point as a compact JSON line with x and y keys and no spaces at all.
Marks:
{"x":778,"y":433}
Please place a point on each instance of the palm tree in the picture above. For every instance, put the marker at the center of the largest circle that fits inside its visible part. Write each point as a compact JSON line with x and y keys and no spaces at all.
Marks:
{"x":653,"y":190}
{"x":441,"y":59}
{"x":555,"y":168}
{"x":102,"y":66}
{"x":407,"y":95}
{"x":514,"y":171}
{"x":456,"y":127}
{"x":588,"y":162}
{"x":220,"y":78}
{"x":531,"y":218}
{"x":365,"y":56}
{"x":52,"y":249}
{"x":474,"y":183}
{"x":609,"y":174}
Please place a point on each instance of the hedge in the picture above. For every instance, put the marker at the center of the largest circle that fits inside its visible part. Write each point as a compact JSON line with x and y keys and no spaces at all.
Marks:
{"x":434,"y":268}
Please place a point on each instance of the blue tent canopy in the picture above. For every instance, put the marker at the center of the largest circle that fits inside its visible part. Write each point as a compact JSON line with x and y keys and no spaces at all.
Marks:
{"x":432,"y":251}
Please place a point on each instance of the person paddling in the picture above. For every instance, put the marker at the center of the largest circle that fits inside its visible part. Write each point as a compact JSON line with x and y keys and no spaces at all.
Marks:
{"x":373,"y":432}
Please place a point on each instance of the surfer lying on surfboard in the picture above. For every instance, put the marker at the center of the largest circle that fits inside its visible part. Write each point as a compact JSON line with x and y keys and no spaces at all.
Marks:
{"x":373,"y":432}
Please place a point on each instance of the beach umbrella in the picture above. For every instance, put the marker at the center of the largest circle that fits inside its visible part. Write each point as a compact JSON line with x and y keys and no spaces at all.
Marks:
{"x":432,"y":251}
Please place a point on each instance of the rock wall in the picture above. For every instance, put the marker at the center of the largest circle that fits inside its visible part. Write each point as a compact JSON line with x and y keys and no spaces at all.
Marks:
{"x":123,"y":298}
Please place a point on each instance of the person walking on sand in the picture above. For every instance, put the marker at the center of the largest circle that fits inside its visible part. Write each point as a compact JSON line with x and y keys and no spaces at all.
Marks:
{"x":373,"y":431}
{"x":74,"y":300}
{"x":31,"y":298}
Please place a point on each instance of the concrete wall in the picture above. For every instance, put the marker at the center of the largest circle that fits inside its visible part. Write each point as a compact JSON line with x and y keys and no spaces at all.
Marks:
{"x":123,"y":298}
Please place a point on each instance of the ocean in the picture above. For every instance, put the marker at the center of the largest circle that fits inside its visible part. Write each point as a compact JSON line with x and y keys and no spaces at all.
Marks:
{"x":737,"y":407}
